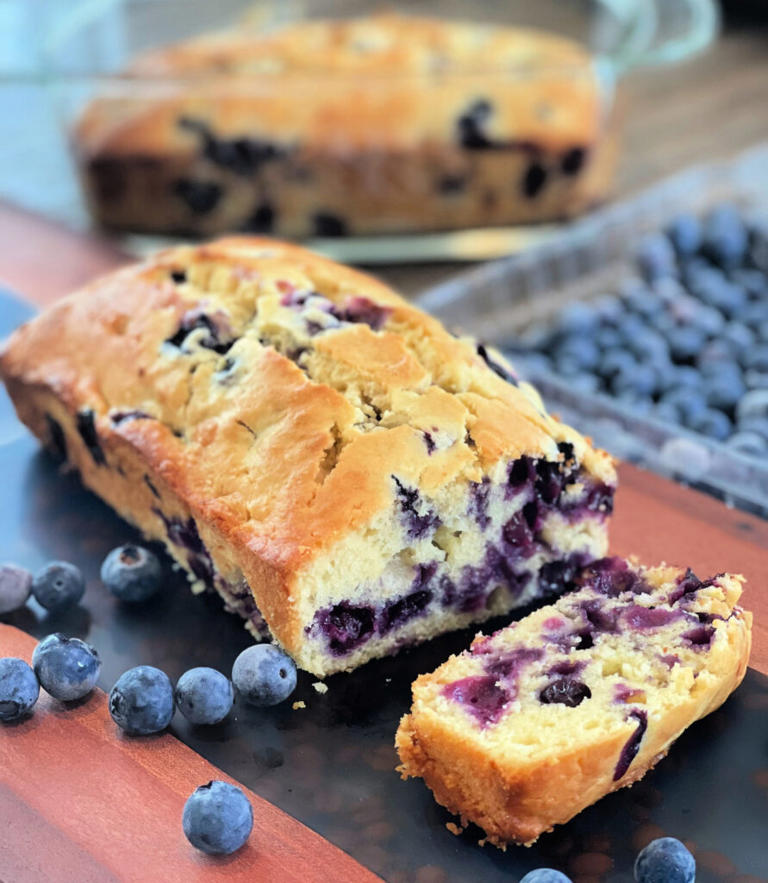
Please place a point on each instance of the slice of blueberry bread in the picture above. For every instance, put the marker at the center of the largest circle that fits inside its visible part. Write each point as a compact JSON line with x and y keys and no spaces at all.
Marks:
{"x":324,"y":128}
{"x":326,"y":456}
{"x":539,"y":720}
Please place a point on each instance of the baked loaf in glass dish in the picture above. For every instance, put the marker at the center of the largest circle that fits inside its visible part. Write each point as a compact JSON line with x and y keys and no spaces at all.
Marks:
{"x":330,"y":459}
{"x":536,"y":722}
{"x":388,"y":123}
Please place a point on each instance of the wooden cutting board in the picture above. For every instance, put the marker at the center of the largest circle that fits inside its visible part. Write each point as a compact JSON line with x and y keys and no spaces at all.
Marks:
{"x":80,"y":801}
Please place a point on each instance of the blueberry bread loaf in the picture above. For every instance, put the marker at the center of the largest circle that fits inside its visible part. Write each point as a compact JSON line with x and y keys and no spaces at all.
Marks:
{"x":357,"y":126}
{"x":324,"y":455}
{"x":541,"y":719}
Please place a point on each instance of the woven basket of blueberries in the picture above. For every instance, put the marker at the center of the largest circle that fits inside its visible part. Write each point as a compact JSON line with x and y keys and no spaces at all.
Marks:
{"x":646,"y":326}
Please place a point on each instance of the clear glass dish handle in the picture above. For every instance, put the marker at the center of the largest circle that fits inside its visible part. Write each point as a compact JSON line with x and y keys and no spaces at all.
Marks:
{"x":648,"y":41}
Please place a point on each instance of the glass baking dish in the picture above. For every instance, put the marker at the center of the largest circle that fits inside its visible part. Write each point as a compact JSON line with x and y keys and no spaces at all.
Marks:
{"x":499,"y":301}
{"x":87,"y":47}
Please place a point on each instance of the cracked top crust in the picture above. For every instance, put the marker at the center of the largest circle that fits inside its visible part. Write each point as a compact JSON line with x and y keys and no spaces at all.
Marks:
{"x":277,"y":392}
{"x":539,"y":88}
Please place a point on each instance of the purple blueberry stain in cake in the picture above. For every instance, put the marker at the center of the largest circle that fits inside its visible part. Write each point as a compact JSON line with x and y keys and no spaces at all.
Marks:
{"x":600,"y":618}
{"x":346,"y":626}
{"x":557,"y":577}
{"x":507,"y":666}
{"x":118,"y":417}
{"x":86,"y":426}
{"x":364,"y":311}
{"x":670,"y":659}
{"x":534,"y":179}
{"x":185,"y":535}
{"x":521,"y":474}
{"x":262,"y":219}
{"x":179,"y":277}
{"x":567,"y":667}
{"x":480,"y":696}
{"x":417,"y":523}
{"x":632,"y":745}
{"x":150,"y":484}
{"x":479,"y":493}
{"x":397,"y":613}
{"x":637,"y":617}
{"x":449,"y":185}
{"x":429,"y":442}
{"x":623,"y":693}
{"x":572,"y":161}
{"x":496,"y":366}
{"x":566,"y":691}
{"x":687,"y":585}
{"x":517,"y":536}
{"x":218,"y":338}
{"x":700,"y":638}
{"x":554,"y":622}
{"x":57,"y":441}
{"x":327,"y":224}
{"x":612,"y":577}
{"x":200,"y":197}
{"x":241,"y":155}
{"x":471,"y":124}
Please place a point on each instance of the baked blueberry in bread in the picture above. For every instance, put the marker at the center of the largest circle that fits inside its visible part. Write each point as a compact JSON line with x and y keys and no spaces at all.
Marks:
{"x":539,"y":720}
{"x":329,"y":128}
{"x":327,"y":457}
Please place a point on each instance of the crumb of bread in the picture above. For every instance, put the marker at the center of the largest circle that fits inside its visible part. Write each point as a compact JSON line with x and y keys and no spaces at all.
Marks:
{"x":300,"y":704}
{"x":320,"y":687}
{"x":453,"y":828}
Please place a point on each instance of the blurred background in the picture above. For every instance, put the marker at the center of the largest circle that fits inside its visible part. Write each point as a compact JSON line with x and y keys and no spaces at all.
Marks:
{"x":590,"y":196}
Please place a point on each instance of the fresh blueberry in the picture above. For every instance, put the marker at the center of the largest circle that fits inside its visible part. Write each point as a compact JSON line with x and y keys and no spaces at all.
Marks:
{"x":638,"y":298}
{"x":141,"y":702}
{"x":586,"y":383}
{"x":131,"y":573}
{"x":609,"y":309}
{"x":756,"y":358}
{"x":685,"y":376}
{"x":714,"y":356}
{"x":577,"y":318}
{"x":579,"y":350}
{"x":15,"y":587}
{"x":204,"y":695}
{"x":67,"y":668}
{"x":739,"y":335}
{"x":641,"y":381}
{"x":750,"y":443}
{"x":708,"y":320}
{"x":668,"y":412}
{"x":756,"y":379}
{"x":757,"y":423}
{"x":724,"y":392}
{"x":756,"y":316}
{"x":607,"y":338}
{"x":19,"y":689}
{"x":665,"y":860}
{"x":650,"y":345}
{"x":726,"y":297}
{"x":58,"y":585}
{"x":725,"y":236}
{"x":264,"y":675}
{"x":689,"y":402}
{"x":545,"y":875}
{"x":713,"y":424}
{"x":217,"y":818}
{"x":754,"y":282}
{"x":655,"y":256}
{"x":684,"y":232}
{"x":685,"y":342}
{"x":616,"y":361}
{"x":753,"y":404}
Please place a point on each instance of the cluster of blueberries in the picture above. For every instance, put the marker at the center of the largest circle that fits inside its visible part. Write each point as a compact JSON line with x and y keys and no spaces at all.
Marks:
{"x":665,"y":860}
{"x":217,"y":817}
{"x":686,"y":340}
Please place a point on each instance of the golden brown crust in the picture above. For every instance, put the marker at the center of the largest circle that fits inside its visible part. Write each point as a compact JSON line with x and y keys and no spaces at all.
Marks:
{"x":516,"y":799}
{"x":295,"y":453}
{"x":371,"y":126}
